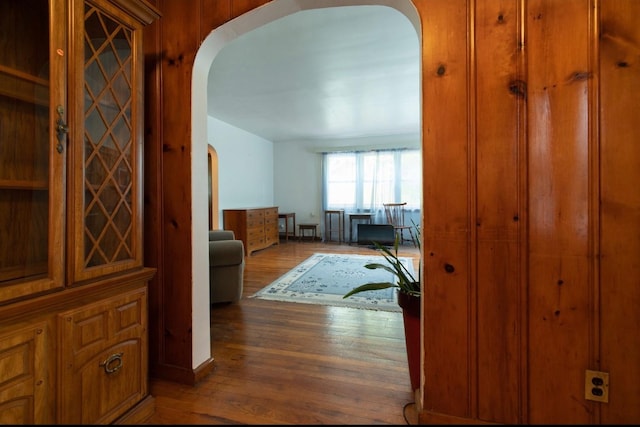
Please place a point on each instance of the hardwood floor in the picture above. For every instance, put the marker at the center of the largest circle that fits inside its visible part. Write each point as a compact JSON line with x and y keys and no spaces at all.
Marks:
{"x":291,"y":363}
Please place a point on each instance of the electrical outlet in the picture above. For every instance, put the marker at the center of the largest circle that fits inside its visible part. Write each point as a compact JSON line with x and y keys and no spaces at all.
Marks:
{"x":596,"y":386}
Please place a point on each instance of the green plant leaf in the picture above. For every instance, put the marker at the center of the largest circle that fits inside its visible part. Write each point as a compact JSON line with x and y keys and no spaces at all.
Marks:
{"x":406,"y":282}
{"x":370,"y":287}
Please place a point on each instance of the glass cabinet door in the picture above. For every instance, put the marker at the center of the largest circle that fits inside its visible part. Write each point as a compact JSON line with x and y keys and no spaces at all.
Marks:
{"x":32,"y":151}
{"x":107,"y":219}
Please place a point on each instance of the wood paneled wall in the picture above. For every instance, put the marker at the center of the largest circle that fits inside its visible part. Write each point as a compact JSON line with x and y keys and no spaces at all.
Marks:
{"x":615,"y":198}
{"x":531,"y":203}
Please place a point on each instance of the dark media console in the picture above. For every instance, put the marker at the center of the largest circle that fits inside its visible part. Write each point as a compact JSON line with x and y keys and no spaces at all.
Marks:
{"x":381,"y":233}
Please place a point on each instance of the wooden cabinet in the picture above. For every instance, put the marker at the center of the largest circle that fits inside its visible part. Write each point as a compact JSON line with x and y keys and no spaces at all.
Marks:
{"x":256,"y":227}
{"x":71,"y":208}
{"x":104,"y":349}
{"x":26,"y":368}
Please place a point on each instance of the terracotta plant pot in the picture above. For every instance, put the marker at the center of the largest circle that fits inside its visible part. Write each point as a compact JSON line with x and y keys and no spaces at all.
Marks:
{"x":411,"y":315}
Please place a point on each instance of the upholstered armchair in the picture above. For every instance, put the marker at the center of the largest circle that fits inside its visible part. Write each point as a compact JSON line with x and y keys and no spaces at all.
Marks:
{"x":226,"y":266}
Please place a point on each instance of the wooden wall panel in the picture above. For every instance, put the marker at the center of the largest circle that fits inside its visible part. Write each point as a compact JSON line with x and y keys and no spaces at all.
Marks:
{"x":178,"y":53}
{"x":559,"y":241}
{"x":214,"y":14}
{"x":152,"y":153}
{"x":171,"y":45}
{"x":446,"y":211}
{"x":500,"y":212}
{"x":238,"y":7}
{"x":516,"y":305}
{"x":620,"y":209}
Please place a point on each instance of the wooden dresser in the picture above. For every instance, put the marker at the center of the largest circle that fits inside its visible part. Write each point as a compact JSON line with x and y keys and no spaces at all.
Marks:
{"x":256,"y":227}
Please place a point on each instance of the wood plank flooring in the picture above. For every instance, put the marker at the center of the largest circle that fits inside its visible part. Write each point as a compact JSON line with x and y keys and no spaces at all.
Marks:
{"x":291,"y":363}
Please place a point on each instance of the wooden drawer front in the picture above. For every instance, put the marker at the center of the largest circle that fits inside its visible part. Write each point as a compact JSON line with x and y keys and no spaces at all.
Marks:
{"x":107,"y":395}
{"x":270,"y":220}
{"x":103,"y":359}
{"x":25,"y":386}
{"x":271,"y":214}
{"x":255,"y":218}
{"x":255,"y":236}
{"x":271,"y":233}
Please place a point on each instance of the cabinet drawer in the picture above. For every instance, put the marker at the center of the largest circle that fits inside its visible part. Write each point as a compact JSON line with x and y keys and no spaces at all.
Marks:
{"x":26,"y":386}
{"x":103,"y":359}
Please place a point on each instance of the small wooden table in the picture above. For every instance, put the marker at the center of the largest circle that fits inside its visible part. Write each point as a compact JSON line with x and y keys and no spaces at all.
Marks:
{"x":307,"y":227}
{"x":328,"y":224}
{"x":286,"y":217}
{"x":366,"y":218}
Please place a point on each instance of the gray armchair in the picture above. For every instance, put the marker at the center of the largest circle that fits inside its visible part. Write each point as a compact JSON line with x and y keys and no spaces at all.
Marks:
{"x":226,"y":266}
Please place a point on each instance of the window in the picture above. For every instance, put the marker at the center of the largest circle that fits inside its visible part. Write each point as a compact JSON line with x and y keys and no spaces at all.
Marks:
{"x":363,"y":181}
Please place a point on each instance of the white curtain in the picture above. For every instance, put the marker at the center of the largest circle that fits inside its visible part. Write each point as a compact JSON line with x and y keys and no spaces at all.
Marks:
{"x":360,"y":182}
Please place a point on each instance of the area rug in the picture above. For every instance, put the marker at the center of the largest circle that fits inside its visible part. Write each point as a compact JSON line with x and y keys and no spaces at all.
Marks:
{"x":325,"y":278}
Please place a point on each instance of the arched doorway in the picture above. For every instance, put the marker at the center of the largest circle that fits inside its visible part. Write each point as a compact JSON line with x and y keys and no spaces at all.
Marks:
{"x":211,"y":46}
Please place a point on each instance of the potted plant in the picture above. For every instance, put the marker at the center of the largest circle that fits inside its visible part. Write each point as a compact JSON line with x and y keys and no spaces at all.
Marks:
{"x":409,"y":291}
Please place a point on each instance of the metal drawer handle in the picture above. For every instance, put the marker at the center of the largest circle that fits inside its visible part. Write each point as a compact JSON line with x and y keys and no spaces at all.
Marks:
{"x":112,"y":363}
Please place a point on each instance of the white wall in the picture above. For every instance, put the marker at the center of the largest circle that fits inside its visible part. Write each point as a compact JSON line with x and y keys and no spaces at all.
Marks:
{"x":297,"y":181}
{"x":246,"y":168}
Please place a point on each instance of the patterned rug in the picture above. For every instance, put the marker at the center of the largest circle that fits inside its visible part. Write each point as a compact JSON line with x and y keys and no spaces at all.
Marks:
{"x":324,"y":279}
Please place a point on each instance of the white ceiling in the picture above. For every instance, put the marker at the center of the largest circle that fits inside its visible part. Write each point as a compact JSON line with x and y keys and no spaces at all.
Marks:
{"x":319,"y":74}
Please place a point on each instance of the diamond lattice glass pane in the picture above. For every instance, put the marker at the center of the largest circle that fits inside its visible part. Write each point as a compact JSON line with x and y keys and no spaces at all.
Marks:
{"x":109,"y":243}
{"x":102,"y":252}
{"x":122,"y":133}
{"x":109,"y":198}
{"x":94,"y":127}
{"x":108,"y":62}
{"x":123,"y":254}
{"x":122,"y":220}
{"x":95,"y":33}
{"x":123,"y":177}
{"x":122,"y":43}
{"x":108,"y":107}
{"x":95,"y":258}
{"x":95,"y":220}
{"x":95,"y":173}
{"x":109,"y":154}
{"x":109,"y":138}
{"x":122,"y":89}
{"x":95,"y":82}
{"x":128,"y":196}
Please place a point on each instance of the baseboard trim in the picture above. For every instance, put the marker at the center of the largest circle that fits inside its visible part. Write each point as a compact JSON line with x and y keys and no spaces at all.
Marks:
{"x":182,"y":375}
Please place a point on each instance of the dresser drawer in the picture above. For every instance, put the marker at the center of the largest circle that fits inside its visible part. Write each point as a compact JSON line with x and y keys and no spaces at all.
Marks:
{"x":255,"y":235}
{"x":271,"y":213}
{"x":255,"y":215}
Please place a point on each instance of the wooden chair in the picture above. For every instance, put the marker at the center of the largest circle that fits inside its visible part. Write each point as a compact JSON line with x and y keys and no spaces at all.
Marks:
{"x":395,"y":216}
